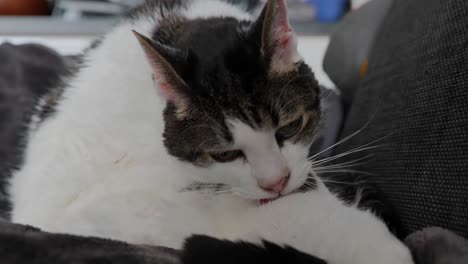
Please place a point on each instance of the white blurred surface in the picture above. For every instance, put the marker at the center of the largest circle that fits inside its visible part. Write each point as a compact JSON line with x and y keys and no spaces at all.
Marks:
{"x":312,"y":49}
{"x":64,"y":45}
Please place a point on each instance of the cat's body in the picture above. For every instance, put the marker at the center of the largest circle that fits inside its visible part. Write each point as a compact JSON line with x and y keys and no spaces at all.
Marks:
{"x":99,"y":166}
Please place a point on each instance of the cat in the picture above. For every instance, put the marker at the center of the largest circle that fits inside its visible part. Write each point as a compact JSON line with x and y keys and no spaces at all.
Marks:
{"x":192,"y":117}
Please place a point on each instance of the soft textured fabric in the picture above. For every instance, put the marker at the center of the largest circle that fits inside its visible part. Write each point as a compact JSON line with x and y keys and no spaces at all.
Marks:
{"x":436,"y":245}
{"x":23,"y":244}
{"x":414,"y":99}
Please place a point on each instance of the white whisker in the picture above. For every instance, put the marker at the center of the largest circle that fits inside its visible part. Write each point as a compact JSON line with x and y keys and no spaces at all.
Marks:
{"x":344,"y":170}
{"x":340,"y":182}
{"x":353,"y":151}
{"x":352,"y":163}
{"x":347,"y":137}
{"x":358,"y":148}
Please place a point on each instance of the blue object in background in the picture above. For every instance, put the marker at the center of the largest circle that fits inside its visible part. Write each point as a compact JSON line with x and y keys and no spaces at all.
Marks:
{"x":328,"y":10}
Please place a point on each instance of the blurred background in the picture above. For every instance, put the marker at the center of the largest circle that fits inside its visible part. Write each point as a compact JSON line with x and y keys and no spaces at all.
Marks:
{"x":68,"y":26}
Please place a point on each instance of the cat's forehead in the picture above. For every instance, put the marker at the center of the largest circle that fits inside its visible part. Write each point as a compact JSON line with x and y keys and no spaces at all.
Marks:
{"x":269,"y":101}
{"x":207,"y":37}
{"x":247,"y":137}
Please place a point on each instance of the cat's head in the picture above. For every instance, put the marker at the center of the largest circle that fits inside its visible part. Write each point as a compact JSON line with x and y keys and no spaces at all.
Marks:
{"x":242,"y":106}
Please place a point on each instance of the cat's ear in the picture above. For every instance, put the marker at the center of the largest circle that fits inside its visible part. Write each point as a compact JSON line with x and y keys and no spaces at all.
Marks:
{"x":165,"y":62}
{"x":277,"y":37}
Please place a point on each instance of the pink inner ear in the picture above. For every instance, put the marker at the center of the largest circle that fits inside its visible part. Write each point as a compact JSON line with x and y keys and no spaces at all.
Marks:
{"x":287,"y":39}
{"x":165,"y":89}
{"x":282,"y":37}
{"x":281,"y":15}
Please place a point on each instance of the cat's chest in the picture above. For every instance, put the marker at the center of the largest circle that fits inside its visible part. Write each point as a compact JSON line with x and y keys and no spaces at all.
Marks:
{"x":207,"y":213}
{"x":152,"y":214}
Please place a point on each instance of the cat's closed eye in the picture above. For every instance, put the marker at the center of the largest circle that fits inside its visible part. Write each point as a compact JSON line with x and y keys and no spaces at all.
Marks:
{"x":289,"y":130}
{"x":227,"y":156}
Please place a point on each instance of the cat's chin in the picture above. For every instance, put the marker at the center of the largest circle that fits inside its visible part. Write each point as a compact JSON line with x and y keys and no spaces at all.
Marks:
{"x":267,"y":201}
{"x":270,"y":200}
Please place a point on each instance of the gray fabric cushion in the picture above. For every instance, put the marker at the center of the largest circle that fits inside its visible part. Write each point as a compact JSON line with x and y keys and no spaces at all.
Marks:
{"x":415,"y":95}
{"x":350,"y":44}
{"x":22,"y":244}
{"x":436,"y":245}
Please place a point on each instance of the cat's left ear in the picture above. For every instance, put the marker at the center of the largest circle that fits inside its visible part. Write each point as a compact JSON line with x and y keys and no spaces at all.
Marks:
{"x":166,"y":63}
{"x":277,"y":37}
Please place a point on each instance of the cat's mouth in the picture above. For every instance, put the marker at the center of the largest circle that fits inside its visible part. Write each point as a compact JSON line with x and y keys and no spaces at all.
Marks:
{"x":270,"y":200}
{"x":267,"y":201}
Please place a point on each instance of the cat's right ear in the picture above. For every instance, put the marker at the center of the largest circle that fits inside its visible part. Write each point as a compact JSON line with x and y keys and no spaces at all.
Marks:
{"x":276,"y":38}
{"x":165,"y":61}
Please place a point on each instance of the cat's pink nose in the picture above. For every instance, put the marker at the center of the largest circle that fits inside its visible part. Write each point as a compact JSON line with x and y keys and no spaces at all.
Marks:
{"x":276,"y":187}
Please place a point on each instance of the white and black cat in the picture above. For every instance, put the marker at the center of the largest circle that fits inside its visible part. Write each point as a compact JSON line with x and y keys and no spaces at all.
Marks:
{"x":198,"y":122}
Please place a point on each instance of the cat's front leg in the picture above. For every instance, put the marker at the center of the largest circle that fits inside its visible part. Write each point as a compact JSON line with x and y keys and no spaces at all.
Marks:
{"x":318,"y":223}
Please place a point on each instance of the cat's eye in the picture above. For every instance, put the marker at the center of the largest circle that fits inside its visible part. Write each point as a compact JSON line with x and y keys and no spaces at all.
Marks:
{"x":289,"y":130}
{"x":227,"y":156}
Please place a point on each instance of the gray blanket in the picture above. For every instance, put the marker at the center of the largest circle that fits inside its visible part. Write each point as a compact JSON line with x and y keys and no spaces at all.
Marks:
{"x":27,"y":245}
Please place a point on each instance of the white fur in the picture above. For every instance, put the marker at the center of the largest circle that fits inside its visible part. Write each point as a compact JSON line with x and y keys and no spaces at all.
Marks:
{"x":98,"y":167}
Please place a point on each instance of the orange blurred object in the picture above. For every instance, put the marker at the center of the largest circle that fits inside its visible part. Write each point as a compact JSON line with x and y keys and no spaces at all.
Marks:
{"x":364,"y":67}
{"x":24,"y":7}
